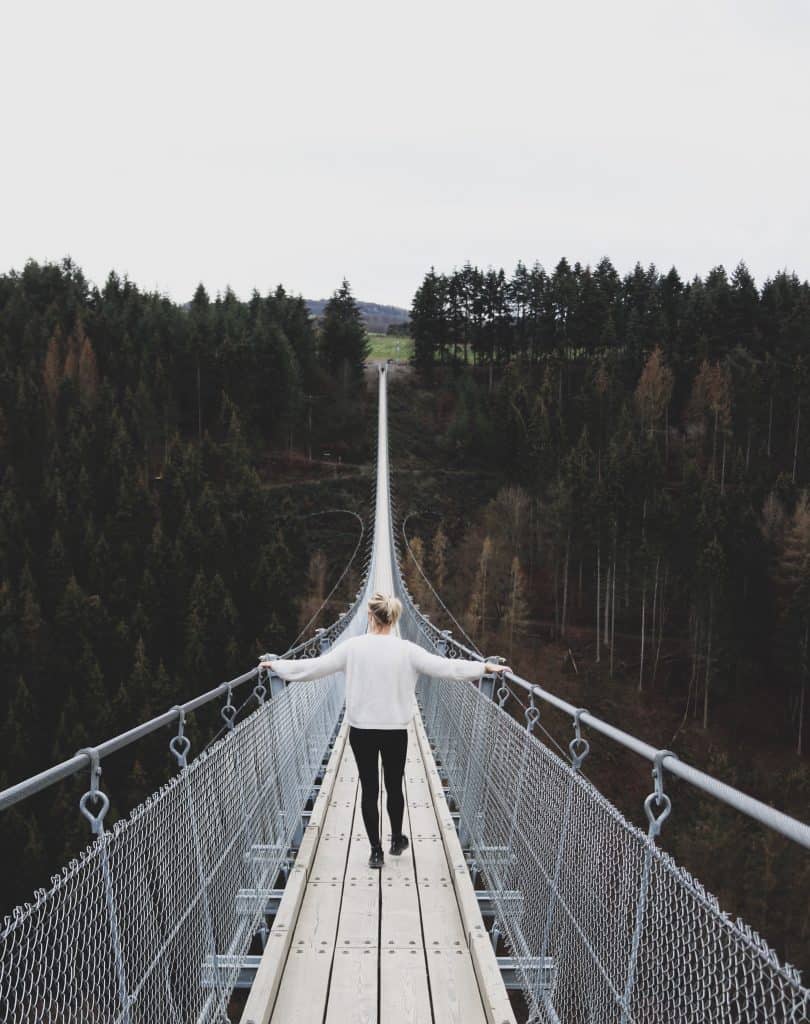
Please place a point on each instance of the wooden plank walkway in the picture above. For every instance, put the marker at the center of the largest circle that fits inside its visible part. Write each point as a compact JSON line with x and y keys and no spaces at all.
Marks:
{"x":404,"y":945}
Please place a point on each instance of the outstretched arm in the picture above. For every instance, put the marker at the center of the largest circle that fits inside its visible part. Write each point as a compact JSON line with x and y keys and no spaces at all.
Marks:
{"x":303,"y":669}
{"x":450,"y":668}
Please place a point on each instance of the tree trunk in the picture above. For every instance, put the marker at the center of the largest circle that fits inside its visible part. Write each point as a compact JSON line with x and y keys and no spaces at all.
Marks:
{"x":708,"y":663}
{"x":661,"y":626}
{"x":199,"y":405}
{"x":607,"y":605}
{"x":565,"y":583}
{"x":626,"y":577}
{"x":692,"y":633}
{"x":723,"y":468}
{"x":643,"y":630}
{"x":714,"y":444}
{"x":613,"y":618}
{"x":770,"y":424}
{"x":598,"y":598}
{"x":579,"y":587}
{"x":483,"y":602}
{"x":796,"y":442}
{"x":666,"y":437}
{"x":531,"y":539}
{"x":803,"y":692}
{"x":695,"y":661}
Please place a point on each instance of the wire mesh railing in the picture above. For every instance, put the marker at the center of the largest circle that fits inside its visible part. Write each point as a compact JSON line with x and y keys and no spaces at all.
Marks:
{"x":145,"y":924}
{"x":129,"y":928}
{"x":608,"y":927}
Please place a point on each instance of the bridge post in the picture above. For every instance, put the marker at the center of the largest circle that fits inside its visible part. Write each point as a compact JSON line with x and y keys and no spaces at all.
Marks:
{"x":488,"y":679}
{"x":324,"y":642}
{"x":277,"y":684}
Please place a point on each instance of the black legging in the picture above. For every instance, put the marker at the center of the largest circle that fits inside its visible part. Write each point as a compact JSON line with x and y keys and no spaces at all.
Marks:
{"x":367,"y":745}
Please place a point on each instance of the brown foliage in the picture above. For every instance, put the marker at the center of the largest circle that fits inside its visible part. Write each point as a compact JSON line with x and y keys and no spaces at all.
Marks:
{"x":654,"y":389}
{"x":52,"y":370}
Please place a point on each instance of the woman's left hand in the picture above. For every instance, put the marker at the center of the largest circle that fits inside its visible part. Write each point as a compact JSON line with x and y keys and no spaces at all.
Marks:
{"x":266,"y":664}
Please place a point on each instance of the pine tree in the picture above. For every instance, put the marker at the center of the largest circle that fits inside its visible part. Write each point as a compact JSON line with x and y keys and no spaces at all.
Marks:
{"x":87,"y":372}
{"x":654,"y":391}
{"x":52,"y":370}
{"x":344,"y":342}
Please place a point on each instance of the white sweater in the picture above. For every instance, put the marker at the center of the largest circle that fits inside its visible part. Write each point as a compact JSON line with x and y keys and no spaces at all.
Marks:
{"x":381,"y":673}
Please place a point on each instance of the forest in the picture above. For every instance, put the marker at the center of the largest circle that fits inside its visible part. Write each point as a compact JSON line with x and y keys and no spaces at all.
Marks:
{"x":653,"y":532}
{"x":604,"y":477}
{"x":145,"y":553}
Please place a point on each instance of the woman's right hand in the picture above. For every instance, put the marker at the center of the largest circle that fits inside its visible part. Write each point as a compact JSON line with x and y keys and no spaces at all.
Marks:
{"x":497,"y":669}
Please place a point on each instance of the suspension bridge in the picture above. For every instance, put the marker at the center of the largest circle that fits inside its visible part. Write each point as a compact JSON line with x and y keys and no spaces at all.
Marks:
{"x":248,"y":870}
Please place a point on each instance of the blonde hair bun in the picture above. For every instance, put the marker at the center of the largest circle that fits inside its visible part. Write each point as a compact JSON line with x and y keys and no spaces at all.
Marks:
{"x":385,"y":608}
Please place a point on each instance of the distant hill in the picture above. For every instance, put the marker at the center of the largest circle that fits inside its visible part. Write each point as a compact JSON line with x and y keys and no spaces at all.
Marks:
{"x":377,"y":317}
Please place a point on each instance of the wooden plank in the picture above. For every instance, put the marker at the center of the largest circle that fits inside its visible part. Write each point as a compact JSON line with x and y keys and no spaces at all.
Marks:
{"x":262,"y":994}
{"x":304,"y":987}
{"x":271,"y":971}
{"x":401,"y":922}
{"x":353,"y":990}
{"x":441,"y":921}
{"x":453,"y":987}
{"x":404,"y":995}
{"x":359,"y":915}
{"x":329,"y":862}
{"x":422,"y":818}
{"x":497,"y":1007}
{"x":291,"y":901}
{"x":268,"y":976}
{"x":306,"y":851}
{"x":491,"y":990}
{"x":305,"y":981}
{"x":441,"y":924}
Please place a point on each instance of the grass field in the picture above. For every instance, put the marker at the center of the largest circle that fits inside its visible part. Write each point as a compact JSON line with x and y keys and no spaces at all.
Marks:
{"x":385,"y":346}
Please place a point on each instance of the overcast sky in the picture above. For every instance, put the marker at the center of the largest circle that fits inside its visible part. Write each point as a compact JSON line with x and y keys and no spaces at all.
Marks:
{"x":251,"y":144}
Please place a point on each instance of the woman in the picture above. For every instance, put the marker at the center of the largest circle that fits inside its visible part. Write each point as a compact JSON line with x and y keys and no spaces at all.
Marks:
{"x":381,"y":672}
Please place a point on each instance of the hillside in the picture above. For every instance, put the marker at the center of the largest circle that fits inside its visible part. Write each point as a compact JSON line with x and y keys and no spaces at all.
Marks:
{"x":376,"y":316}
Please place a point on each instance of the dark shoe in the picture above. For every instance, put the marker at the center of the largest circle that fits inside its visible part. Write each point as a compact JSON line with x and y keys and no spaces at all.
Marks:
{"x":376,"y":858}
{"x":398,"y":844}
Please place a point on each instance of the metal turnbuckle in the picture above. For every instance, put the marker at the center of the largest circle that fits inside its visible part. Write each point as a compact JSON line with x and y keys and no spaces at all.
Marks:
{"x":180,"y":744}
{"x":532,"y":715}
{"x":228,"y":711}
{"x":260,"y":690}
{"x":579,"y":747}
{"x":94,"y":793}
{"x":658,"y":797}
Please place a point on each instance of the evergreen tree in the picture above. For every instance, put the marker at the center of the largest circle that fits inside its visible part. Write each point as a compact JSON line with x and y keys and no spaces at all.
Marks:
{"x":344,"y":342}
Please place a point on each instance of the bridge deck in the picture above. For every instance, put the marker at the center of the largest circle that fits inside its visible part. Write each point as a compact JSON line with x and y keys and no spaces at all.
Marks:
{"x":404,"y":945}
